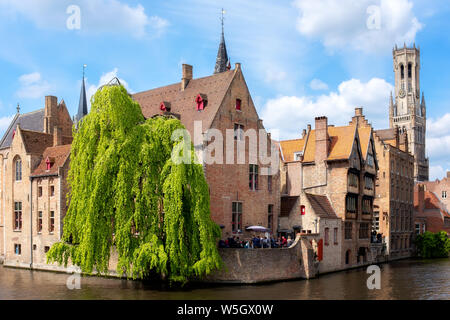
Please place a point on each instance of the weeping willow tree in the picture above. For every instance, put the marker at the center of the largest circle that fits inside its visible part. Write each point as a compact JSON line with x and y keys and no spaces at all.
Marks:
{"x":127,"y":192}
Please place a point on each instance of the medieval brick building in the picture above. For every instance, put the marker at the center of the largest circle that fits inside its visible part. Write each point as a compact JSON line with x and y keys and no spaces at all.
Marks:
{"x":441,"y":188}
{"x":23,"y":146}
{"x":34,"y":163}
{"x":243,"y":193}
{"x":334,"y":169}
{"x":431,"y":214}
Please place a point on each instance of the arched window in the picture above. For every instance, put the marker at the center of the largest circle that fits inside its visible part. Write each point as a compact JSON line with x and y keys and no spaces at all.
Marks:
{"x":18,"y":165}
{"x":402,"y":72}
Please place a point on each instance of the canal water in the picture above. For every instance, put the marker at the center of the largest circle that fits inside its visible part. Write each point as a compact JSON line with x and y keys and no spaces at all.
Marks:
{"x":405,"y":279}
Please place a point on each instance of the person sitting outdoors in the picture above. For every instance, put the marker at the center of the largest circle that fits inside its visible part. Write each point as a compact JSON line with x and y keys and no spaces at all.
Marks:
{"x":289,"y":241}
{"x":283,"y":241}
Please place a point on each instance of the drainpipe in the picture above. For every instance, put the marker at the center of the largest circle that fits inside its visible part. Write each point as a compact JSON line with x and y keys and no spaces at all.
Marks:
{"x":31,"y":223}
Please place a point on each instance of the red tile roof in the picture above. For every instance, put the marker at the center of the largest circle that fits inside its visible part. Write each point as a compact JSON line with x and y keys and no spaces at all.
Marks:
{"x":182,"y":102}
{"x":289,"y":147}
{"x":341,"y":143}
{"x":58,"y":155}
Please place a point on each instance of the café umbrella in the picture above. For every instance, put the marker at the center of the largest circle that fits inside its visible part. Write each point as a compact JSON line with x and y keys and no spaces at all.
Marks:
{"x":257,"y":229}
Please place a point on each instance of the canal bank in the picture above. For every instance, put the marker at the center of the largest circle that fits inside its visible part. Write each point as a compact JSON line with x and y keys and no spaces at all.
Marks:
{"x":408,"y":279}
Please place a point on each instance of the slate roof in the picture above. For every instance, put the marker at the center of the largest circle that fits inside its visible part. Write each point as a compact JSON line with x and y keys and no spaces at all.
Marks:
{"x":183,"y":101}
{"x":321,"y":206}
{"x":33,"y":121}
{"x":222,"y":57}
{"x":82,"y":105}
{"x":386,"y":134}
{"x":58,"y":154}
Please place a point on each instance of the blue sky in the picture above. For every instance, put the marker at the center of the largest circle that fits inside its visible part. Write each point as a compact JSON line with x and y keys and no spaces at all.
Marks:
{"x":300,"y":58}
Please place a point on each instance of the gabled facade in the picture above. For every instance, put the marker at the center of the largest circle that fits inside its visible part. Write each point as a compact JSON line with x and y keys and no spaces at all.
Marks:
{"x":393,"y":206}
{"x":21,"y":152}
{"x":211,"y":108}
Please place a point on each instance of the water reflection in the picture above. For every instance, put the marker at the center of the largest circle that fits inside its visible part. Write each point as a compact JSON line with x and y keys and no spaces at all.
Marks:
{"x":407,"y":279}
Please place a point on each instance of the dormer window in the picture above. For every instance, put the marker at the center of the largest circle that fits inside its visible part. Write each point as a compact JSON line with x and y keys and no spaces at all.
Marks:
{"x":201,"y":101}
{"x":49,"y":163}
{"x":298,"y":156}
{"x":165,"y":106}
{"x":238,"y":104}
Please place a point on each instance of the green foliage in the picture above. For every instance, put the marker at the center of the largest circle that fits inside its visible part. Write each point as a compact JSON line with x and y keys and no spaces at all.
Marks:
{"x":127,"y":193}
{"x":433,"y":245}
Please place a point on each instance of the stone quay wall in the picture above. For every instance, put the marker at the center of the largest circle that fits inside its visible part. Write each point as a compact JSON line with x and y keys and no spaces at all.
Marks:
{"x":266,"y":265}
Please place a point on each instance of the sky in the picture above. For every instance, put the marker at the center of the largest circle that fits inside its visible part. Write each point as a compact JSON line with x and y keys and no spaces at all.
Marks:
{"x":301,"y":58}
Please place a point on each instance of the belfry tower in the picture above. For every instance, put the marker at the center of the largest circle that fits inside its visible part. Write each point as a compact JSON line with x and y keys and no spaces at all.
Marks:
{"x":408,"y":110}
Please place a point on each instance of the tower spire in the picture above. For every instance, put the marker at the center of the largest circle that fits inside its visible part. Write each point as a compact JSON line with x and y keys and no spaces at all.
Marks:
{"x":222,"y":55}
{"x":82,"y":106}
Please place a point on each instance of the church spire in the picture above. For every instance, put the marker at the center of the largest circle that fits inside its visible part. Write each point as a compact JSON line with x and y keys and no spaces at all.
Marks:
{"x":82,"y":106}
{"x":222,"y":55}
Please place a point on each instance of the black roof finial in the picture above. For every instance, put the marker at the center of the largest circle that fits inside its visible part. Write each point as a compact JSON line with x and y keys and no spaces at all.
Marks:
{"x":82,"y":106}
{"x":222,"y":55}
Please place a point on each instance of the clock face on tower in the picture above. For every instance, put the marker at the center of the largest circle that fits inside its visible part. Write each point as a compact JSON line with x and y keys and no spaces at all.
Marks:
{"x":402,"y":93}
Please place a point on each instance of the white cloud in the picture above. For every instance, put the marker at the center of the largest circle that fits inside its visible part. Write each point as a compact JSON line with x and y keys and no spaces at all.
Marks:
{"x":291,"y":114}
{"x":438,"y":139}
{"x":32,"y":86}
{"x":347,"y":23}
{"x":104,"y":79}
{"x":437,"y":172}
{"x":4,"y":124}
{"x":317,"y":84}
{"x":97,"y":16}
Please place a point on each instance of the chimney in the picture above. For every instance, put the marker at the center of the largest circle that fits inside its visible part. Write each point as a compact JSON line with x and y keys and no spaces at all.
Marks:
{"x":309,"y":128}
{"x":237,"y":67}
{"x":303,"y":133}
{"x":57,"y":137}
{"x":358,"y":112}
{"x":448,"y":174}
{"x":322,"y":141}
{"x":421,"y":197}
{"x":187,"y":76}
{"x":51,"y":109}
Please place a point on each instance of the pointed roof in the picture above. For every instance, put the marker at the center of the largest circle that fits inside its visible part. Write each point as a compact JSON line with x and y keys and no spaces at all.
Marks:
{"x":82,"y":106}
{"x":33,"y":121}
{"x":222,"y":56}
